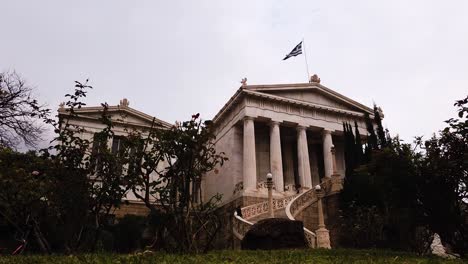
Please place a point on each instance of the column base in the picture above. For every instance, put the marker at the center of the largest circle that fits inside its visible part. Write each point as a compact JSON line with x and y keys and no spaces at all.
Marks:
{"x":323,"y":238}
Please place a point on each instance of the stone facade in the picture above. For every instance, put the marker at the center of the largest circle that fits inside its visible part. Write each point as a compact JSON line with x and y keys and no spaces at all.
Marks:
{"x":288,"y":130}
{"x":294,"y":131}
{"x":133,"y":208}
{"x":125,"y":119}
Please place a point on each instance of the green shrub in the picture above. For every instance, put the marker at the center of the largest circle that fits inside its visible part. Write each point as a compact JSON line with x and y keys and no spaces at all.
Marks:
{"x":128,"y":233}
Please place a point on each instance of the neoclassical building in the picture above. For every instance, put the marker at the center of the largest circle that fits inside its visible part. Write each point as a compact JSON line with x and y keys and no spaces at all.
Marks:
{"x":285,"y":129}
{"x":293,"y":131}
{"x":125,"y":119}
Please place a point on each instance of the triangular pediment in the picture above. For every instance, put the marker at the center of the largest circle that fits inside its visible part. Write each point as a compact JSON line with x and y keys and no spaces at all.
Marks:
{"x":119,"y":115}
{"x":311,"y":93}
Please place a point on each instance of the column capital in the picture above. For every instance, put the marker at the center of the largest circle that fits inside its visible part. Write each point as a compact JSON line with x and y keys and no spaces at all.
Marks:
{"x":300,"y":127}
{"x":248,"y":118}
{"x":274,"y":122}
{"x":326,"y":132}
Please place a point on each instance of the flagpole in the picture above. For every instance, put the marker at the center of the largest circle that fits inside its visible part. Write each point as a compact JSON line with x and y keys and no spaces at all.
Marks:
{"x":305,"y":57}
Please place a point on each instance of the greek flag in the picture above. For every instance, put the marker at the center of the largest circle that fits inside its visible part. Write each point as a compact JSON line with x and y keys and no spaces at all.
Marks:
{"x":296,"y":51}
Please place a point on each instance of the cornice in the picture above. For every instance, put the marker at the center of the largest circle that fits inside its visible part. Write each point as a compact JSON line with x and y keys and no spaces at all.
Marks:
{"x":117,"y":122}
{"x":81,"y":113}
{"x":309,"y":86}
{"x":303,"y":103}
{"x":228,"y":105}
{"x":257,"y":90}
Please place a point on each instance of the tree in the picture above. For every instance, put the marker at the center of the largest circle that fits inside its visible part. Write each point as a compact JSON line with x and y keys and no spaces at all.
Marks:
{"x":379,"y":199}
{"x":382,"y":139}
{"x":379,"y":189}
{"x":358,"y":147}
{"x":444,"y":180}
{"x":371,"y":138}
{"x":65,"y":195}
{"x":100,"y":173}
{"x":186,"y":222}
{"x":20,"y":113}
{"x":25,"y":194}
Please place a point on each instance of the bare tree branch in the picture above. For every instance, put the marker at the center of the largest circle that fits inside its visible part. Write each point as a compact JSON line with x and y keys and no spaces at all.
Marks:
{"x":20,"y":113}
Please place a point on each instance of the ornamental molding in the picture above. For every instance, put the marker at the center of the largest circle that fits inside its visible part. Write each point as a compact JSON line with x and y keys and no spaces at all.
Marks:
{"x":298,"y":104}
{"x":322,"y":113}
{"x":123,"y":111}
{"x":310,"y":87}
{"x":231,"y":113}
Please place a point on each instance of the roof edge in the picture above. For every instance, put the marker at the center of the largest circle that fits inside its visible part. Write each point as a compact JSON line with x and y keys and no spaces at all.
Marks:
{"x":115,"y":108}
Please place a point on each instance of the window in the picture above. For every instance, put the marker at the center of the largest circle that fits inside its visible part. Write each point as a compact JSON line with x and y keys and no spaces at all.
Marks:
{"x":99,"y":142}
{"x":117,"y":144}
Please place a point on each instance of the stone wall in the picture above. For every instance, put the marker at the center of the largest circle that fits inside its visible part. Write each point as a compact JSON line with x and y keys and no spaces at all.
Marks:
{"x":262,"y":150}
{"x":332,"y":206}
{"x":131,"y":209}
{"x":227,"y":179}
{"x":309,"y":217}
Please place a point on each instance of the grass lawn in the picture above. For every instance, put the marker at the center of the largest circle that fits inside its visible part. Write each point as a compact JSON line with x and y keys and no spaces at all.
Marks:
{"x":282,"y":256}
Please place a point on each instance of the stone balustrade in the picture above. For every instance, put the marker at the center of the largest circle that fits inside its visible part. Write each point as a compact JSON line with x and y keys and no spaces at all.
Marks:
{"x":257,"y":209}
{"x":311,"y":238}
{"x":241,"y":224}
{"x":297,"y":205}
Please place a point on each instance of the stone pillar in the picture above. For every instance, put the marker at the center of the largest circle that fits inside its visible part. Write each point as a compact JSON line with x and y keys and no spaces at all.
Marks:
{"x":303,"y":158}
{"x":323,"y":235}
{"x":276,"y":161}
{"x":327,"y":155}
{"x":249,"y":164}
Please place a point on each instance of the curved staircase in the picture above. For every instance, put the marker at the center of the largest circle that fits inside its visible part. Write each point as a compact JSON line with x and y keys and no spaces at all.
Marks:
{"x":288,"y":207}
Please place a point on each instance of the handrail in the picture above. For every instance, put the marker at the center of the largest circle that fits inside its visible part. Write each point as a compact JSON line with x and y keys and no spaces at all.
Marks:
{"x":299,"y":203}
{"x":296,"y":206}
{"x":257,"y":209}
{"x":293,"y":206}
{"x":303,"y":201}
{"x":241,"y":224}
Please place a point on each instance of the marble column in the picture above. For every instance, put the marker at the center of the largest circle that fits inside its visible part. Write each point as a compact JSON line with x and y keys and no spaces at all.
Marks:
{"x":249,"y":165}
{"x":327,"y":155}
{"x":303,"y":158}
{"x":276,"y":161}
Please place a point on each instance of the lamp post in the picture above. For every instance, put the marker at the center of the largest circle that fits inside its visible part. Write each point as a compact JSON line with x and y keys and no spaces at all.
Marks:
{"x":318,"y":191}
{"x":333,"y":152}
{"x":270,"y":194}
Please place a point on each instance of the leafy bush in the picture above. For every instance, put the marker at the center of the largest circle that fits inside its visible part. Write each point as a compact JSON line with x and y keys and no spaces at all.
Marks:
{"x":128,"y":233}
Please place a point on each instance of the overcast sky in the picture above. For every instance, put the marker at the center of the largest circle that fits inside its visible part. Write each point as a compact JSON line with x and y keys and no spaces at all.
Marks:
{"x":175,"y":58}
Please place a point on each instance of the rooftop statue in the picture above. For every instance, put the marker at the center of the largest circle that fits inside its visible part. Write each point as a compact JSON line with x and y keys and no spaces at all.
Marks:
{"x":314,"y":79}
{"x":244,"y":81}
{"x":124,"y":102}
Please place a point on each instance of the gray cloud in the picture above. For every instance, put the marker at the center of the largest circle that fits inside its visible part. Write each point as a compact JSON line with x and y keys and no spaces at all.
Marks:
{"x":175,"y":58}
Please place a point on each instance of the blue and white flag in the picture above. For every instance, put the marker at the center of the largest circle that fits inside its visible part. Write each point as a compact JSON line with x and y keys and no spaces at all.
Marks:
{"x":296,"y":51}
